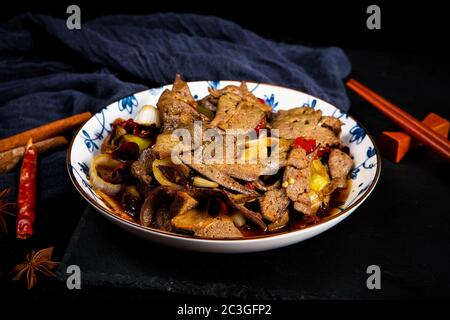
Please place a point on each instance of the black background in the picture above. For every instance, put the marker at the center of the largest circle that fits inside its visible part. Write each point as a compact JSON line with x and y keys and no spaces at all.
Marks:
{"x":407,"y":26}
{"x":406,"y":61}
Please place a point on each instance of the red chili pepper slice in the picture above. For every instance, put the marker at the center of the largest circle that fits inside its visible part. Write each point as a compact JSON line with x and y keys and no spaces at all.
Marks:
{"x":223,"y":207}
{"x":307,"y":144}
{"x":130,"y":126}
{"x":261,"y":125}
{"x":323,"y":151}
{"x":250,"y":185}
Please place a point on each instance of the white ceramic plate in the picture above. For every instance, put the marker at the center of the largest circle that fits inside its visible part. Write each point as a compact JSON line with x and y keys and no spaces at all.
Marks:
{"x":87,"y":142}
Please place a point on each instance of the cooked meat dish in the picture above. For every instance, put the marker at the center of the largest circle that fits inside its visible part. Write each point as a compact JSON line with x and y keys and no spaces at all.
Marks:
{"x":277,"y":171}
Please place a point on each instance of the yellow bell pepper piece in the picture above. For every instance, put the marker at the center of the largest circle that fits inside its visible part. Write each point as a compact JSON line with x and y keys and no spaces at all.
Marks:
{"x":319,"y":176}
{"x":142,"y":143}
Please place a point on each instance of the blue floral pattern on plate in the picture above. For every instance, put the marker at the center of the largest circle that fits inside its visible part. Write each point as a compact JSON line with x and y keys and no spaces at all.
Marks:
{"x":371,"y":152}
{"x":97,"y":136}
{"x":84,"y":169}
{"x":357,"y":134}
{"x":89,"y":142}
{"x":311,"y":105}
{"x":270,"y":100}
{"x":128,"y":103}
{"x":214,"y":84}
{"x":339,"y":114}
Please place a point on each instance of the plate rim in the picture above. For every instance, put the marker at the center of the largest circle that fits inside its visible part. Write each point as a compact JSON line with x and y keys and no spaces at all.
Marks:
{"x":278,"y":235}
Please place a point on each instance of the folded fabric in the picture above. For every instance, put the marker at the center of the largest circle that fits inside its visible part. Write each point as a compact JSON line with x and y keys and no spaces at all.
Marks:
{"x":48,"y":72}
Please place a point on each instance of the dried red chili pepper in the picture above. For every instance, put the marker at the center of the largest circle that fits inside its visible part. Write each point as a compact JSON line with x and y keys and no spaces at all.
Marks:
{"x":216,"y":206}
{"x":261,"y":124}
{"x":148,"y":131}
{"x":323,"y":151}
{"x":26,"y":200}
{"x":306,"y":144}
{"x":130,"y":126}
{"x":126,"y":151}
{"x":223,"y":207}
{"x":250,"y":185}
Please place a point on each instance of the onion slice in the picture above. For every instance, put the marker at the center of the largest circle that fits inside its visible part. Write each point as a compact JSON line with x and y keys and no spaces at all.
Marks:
{"x":147,"y":116}
{"x":238,"y":219}
{"x":161,"y":178}
{"x":100,"y":184}
{"x":204,"y":183}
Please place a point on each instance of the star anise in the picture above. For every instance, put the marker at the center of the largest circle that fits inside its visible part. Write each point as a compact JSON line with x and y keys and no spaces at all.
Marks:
{"x":37,"y":262}
{"x":5,"y":209}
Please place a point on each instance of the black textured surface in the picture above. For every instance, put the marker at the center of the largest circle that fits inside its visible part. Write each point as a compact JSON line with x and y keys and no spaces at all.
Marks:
{"x":402,"y":227}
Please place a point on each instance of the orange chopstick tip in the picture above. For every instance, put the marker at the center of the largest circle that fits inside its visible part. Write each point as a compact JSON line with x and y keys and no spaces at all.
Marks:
{"x":395,"y":145}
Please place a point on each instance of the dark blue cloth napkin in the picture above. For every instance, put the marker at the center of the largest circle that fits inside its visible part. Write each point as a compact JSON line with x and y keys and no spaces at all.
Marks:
{"x":48,"y":72}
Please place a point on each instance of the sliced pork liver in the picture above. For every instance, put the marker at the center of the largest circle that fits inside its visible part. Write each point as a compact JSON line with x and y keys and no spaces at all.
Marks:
{"x":332,"y":123}
{"x":339,"y":163}
{"x":297,"y":181}
{"x":297,"y":158}
{"x":177,"y":107}
{"x":219,"y":228}
{"x":309,"y":124}
{"x":273,"y":204}
{"x":303,"y":204}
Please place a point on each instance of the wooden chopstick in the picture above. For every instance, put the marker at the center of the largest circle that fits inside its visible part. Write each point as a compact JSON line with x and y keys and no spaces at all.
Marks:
{"x":404,"y":120}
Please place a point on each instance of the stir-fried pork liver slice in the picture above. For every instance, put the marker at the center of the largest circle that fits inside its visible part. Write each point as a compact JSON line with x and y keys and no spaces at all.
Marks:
{"x":203,"y":225}
{"x":297,"y":158}
{"x":305,"y":122}
{"x":165,"y":143}
{"x":322,"y":135}
{"x":294,"y":122}
{"x":273,"y":204}
{"x":142,"y":167}
{"x":191,"y":220}
{"x":177,"y":107}
{"x":297,"y":181}
{"x":221,"y":178}
{"x":241,"y":91}
{"x":161,"y":219}
{"x":219,"y":228}
{"x":339,"y":163}
{"x":226,"y":108}
{"x":303,"y":204}
{"x":246,"y":117}
{"x":253,"y":216}
{"x":182,"y":203}
{"x":332,"y":123}
{"x":155,"y":198}
{"x":280,"y":223}
{"x":237,"y":108}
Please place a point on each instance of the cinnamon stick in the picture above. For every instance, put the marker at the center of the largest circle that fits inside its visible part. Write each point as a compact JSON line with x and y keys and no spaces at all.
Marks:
{"x":48,"y":130}
{"x":9,"y":159}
